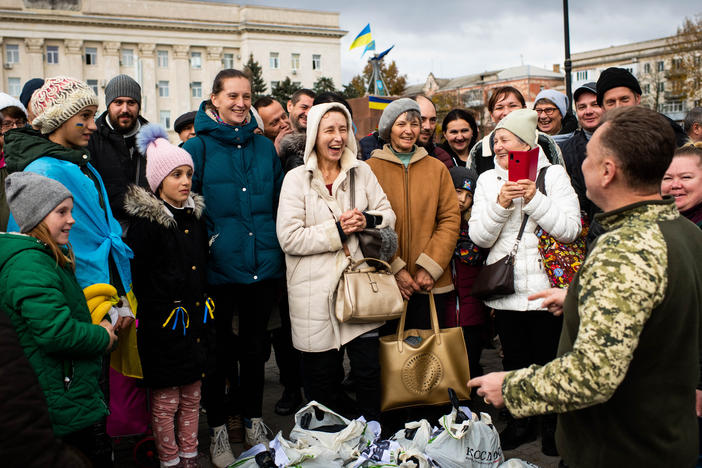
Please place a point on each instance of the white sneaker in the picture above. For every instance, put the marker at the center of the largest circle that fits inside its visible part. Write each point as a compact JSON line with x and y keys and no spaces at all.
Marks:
{"x":220,"y":450}
{"x":257,"y":433}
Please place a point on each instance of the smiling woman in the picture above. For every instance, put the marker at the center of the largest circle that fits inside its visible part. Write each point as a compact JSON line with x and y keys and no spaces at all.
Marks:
{"x":683,"y":180}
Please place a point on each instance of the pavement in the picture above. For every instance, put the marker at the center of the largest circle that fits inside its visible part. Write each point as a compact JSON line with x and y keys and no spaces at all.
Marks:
{"x":490,"y":361}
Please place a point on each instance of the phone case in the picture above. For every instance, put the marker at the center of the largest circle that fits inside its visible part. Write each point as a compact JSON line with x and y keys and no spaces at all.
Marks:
{"x":522,"y":164}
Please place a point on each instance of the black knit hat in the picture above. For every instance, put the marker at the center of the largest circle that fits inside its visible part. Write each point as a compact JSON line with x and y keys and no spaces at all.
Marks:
{"x":464,"y":178}
{"x":29,"y":88}
{"x":122,"y":86}
{"x":614,"y":77}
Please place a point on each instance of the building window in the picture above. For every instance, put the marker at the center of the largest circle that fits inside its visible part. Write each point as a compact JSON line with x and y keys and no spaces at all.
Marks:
{"x":697,"y":60}
{"x":228,"y":60}
{"x":52,"y":54}
{"x":162,"y":58}
{"x":274,"y":61}
{"x":581,"y":75}
{"x":297,"y":84}
{"x":91,"y":55}
{"x":196,"y":87}
{"x":316,"y":62}
{"x":647,"y":88}
{"x":94,"y":85}
{"x":165,"y":118}
{"x":677,"y":63}
{"x":127,"y":57}
{"x":274,"y":84}
{"x":12,"y":53}
{"x":163,"y":89}
{"x":629,"y":69}
{"x":195,"y":59}
{"x":13,"y":87}
{"x":660,"y":66}
{"x":647,"y":67}
{"x":295,"y":61}
{"x":661,"y":87}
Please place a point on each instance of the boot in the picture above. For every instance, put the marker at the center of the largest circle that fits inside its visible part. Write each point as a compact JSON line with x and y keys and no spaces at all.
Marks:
{"x":220,"y":450}
{"x":517,"y":432}
{"x":548,"y":435}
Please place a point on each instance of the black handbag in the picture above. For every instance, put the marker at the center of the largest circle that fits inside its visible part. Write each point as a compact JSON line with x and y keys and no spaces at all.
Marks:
{"x":497,"y":279}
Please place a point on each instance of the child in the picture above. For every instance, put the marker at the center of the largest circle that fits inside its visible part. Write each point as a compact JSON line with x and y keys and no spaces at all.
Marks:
{"x":462,"y":309}
{"x":169,"y":240}
{"x":39,"y":291}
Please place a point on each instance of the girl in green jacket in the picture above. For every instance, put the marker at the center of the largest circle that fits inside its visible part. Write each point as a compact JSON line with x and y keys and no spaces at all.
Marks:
{"x":39,"y":291}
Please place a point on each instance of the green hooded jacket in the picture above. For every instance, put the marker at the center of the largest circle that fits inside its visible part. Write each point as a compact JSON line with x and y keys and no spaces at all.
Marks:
{"x":51,"y":317}
{"x":24,"y":145}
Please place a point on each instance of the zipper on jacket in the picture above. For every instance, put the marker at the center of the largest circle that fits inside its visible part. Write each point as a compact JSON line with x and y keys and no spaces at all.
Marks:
{"x":407,"y":215}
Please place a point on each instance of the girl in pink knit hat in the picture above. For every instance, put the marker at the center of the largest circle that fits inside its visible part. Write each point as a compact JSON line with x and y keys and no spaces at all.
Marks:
{"x":169,"y":240}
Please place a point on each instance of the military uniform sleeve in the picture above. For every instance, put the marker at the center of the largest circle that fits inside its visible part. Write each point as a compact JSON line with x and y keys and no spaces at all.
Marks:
{"x":622,"y":281}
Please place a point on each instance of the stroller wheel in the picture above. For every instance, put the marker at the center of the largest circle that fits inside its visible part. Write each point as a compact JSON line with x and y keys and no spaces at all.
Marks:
{"x":145,"y":453}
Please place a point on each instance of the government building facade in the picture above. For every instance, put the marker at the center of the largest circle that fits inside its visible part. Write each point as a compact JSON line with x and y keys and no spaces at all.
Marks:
{"x":173,"y":48}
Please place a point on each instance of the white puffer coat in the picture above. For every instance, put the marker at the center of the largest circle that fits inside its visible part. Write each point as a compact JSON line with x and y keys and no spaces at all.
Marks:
{"x":314,"y":256}
{"x":495,"y":227}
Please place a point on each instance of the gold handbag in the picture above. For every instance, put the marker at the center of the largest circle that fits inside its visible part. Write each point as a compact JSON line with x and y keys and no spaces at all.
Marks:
{"x":417,"y":367}
{"x":368,"y":294}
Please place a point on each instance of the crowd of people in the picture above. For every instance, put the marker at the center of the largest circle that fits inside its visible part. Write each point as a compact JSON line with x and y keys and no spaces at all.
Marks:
{"x":234,"y":240}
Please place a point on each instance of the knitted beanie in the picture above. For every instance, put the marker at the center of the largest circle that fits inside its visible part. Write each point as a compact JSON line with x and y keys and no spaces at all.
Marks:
{"x":59,"y":99}
{"x":31,"y":197}
{"x":161,"y":156}
{"x":28,"y":89}
{"x":614,"y":77}
{"x":559,"y":100}
{"x":463,"y":178}
{"x":393,"y":110}
{"x":122,"y":86}
{"x":521,"y":122}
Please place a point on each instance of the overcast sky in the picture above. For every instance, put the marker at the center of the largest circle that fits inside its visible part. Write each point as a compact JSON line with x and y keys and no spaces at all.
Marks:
{"x":459,"y":37}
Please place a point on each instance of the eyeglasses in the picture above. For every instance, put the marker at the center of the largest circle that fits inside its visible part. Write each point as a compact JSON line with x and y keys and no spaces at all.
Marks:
{"x":546,"y":110}
{"x":10,"y":124}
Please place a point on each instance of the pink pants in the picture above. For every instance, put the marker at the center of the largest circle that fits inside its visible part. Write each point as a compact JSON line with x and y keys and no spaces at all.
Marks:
{"x":165,"y":402}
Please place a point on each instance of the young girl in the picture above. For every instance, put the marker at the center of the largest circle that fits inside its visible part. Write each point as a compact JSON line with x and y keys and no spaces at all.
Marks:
{"x":39,"y":291}
{"x":464,"y":310}
{"x":169,"y":240}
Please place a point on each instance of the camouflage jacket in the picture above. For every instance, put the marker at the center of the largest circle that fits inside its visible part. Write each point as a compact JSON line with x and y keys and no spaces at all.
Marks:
{"x":620,"y":283}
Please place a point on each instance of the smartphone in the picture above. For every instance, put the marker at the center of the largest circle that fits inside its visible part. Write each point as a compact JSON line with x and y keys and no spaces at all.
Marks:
{"x":522,"y":164}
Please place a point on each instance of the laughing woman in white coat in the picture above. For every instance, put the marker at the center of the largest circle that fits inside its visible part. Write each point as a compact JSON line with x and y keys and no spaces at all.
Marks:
{"x":528,"y":333}
{"x":315,"y":219}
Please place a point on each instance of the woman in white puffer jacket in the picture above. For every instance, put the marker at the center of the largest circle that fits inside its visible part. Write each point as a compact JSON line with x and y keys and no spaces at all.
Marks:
{"x":528,"y":333}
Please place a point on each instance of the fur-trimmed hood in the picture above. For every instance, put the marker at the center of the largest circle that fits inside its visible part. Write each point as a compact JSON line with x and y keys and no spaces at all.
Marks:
{"x":141,"y":203}
{"x":293,"y":144}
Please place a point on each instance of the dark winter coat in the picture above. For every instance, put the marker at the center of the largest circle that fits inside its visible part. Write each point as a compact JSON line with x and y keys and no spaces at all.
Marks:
{"x":117,"y":165}
{"x":239,"y":174}
{"x":52,"y":321}
{"x":26,"y":437}
{"x":292,"y":151}
{"x":168,"y":271}
{"x":573,"y":150}
{"x":462,"y":309}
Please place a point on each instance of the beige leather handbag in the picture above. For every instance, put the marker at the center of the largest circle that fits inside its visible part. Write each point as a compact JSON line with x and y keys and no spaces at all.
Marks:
{"x":368,"y":293}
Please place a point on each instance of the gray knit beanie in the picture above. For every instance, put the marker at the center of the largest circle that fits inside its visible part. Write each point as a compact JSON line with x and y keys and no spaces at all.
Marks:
{"x":122,"y":86}
{"x":31,"y":197}
{"x":395,"y":109}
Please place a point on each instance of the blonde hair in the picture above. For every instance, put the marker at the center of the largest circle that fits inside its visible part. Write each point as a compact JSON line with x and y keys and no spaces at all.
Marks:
{"x":691,"y":149}
{"x":41,"y":233}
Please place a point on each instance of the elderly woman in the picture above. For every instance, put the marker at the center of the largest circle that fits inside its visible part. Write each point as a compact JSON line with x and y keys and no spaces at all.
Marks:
{"x":683,"y":180}
{"x":529,"y":334}
{"x":315,"y":222}
{"x":421,"y":192}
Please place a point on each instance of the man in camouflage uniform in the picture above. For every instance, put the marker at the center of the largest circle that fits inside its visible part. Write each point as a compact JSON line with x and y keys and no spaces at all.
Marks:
{"x":624,"y":382}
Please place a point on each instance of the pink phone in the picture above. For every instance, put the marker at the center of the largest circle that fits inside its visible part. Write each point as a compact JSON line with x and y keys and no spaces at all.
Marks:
{"x":522,"y":164}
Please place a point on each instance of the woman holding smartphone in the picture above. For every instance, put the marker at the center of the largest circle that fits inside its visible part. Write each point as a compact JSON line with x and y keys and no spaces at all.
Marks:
{"x":528,"y":333}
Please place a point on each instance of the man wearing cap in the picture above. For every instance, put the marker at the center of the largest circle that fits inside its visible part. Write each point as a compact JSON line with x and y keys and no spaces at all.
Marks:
{"x":113,"y":146}
{"x":617,"y":87}
{"x":184,"y":126}
{"x":589,"y":114}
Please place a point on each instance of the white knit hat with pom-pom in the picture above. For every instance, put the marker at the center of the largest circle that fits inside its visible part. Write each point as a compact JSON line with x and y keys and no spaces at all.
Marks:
{"x":161,"y":155}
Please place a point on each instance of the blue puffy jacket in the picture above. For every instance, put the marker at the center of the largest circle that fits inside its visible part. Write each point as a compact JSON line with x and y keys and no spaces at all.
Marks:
{"x":240,"y":176}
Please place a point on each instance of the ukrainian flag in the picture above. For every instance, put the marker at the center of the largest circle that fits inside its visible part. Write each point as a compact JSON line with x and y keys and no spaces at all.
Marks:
{"x":378,"y":103}
{"x":363,"y":38}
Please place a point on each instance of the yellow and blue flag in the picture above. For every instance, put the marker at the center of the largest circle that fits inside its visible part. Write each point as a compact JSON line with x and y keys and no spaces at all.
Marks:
{"x":378,"y":103}
{"x":370,"y":46}
{"x":363,"y":38}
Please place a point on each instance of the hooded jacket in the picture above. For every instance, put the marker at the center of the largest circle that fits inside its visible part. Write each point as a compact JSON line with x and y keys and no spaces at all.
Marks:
{"x":428,"y":219}
{"x":48,"y":310}
{"x":117,"y":165}
{"x":494,"y":227}
{"x":308,"y":235}
{"x":169,"y":267}
{"x":239,"y":174}
{"x":96,"y":237}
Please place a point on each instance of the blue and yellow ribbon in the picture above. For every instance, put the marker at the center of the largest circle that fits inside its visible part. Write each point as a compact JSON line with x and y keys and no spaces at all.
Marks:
{"x":180,"y":313}
{"x":209,"y":309}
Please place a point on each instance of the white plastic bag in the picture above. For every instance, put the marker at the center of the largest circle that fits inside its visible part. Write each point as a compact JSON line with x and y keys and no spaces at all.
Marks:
{"x":473,"y":442}
{"x":293,"y":454}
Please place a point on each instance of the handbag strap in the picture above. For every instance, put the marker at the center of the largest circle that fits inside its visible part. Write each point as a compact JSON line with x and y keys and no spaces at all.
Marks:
{"x":352,"y":186}
{"x":434,"y":322}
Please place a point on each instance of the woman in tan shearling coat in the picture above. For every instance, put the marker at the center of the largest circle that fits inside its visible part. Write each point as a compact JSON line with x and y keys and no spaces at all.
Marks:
{"x":315,"y":219}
